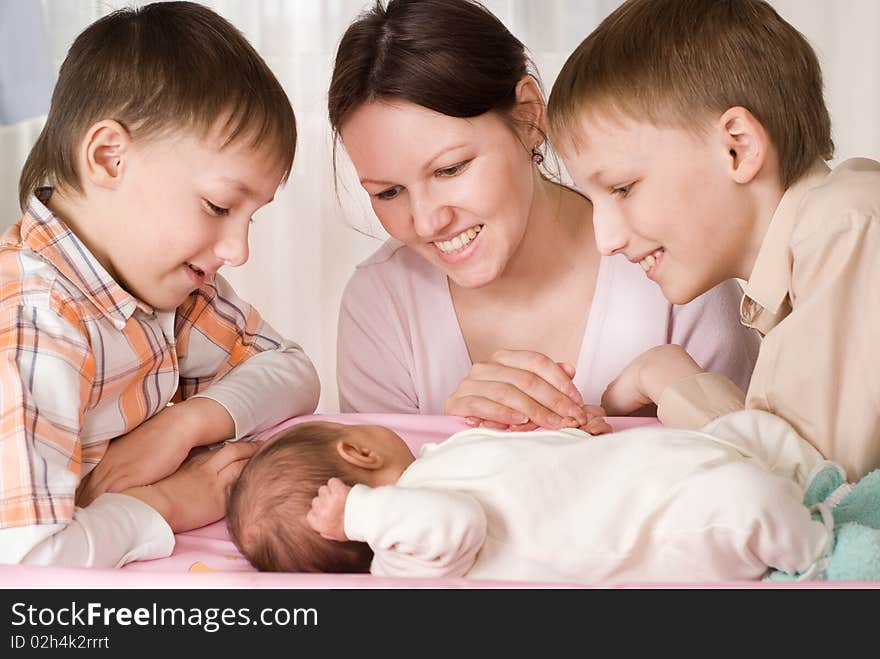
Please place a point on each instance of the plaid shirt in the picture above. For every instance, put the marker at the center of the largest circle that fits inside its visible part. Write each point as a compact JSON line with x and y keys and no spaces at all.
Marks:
{"x":82,"y":362}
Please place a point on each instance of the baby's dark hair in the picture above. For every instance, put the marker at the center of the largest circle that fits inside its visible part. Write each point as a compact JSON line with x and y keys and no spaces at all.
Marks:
{"x":266,"y":507}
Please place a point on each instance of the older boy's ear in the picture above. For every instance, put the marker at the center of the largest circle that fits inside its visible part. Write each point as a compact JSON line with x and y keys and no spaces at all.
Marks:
{"x":103,"y":153}
{"x":531,"y":112}
{"x":746,"y":143}
{"x":359,"y":455}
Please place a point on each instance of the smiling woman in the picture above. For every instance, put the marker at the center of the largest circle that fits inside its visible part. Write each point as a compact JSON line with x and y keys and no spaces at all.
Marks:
{"x":491,"y":300}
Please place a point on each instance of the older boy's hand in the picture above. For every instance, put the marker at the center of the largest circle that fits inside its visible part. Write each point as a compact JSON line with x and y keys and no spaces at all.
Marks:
{"x":518,"y":390}
{"x":596,"y":423}
{"x":156,"y":448}
{"x":327,"y":515}
{"x":645,"y":378}
{"x":195,"y":494}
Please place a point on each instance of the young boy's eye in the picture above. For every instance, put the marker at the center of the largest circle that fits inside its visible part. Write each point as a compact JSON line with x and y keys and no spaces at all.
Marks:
{"x":216,"y":210}
{"x":390,"y":193}
{"x":452,"y":171}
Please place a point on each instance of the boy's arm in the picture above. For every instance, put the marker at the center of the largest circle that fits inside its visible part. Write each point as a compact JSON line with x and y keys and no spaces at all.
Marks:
{"x":137,"y":524}
{"x":416,"y":532}
{"x":46,"y":380}
{"x":652,"y":375}
{"x":230,"y":355}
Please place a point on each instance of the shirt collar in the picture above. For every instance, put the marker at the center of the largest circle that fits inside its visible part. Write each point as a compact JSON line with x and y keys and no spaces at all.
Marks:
{"x":47,"y":235}
{"x":770,"y":280}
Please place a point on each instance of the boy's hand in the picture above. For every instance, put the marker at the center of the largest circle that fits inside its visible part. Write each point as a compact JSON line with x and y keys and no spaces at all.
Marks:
{"x":518,"y":390}
{"x":195,"y":494}
{"x":645,"y":378}
{"x":327,"y":515}
{"x":156,"y":448}
{"x":596,"y":423}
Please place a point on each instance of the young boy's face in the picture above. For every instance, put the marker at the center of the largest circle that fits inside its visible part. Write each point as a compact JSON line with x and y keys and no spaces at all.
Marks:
{"x":662,"y":197}
{"x":184,"y":208}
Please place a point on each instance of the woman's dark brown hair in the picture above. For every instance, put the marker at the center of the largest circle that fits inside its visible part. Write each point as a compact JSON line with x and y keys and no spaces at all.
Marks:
{"x":451,"y":56}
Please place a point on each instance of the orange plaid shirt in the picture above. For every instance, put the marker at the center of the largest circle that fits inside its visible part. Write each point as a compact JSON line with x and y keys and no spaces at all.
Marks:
{"x":83,"y":362}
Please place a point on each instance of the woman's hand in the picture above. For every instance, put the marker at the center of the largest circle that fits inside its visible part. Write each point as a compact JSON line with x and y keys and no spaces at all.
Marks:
{"x":596,"y":423}
{"x":645,"y":378}
{"x":519,"y":390}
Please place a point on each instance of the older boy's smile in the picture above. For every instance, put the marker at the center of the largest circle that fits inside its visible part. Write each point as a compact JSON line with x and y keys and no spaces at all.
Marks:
{"x":651,"y":262}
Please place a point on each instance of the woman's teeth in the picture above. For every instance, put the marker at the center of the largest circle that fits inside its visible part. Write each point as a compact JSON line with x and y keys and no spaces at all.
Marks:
{"x":648,"y":262}
{"x":460,"y":241}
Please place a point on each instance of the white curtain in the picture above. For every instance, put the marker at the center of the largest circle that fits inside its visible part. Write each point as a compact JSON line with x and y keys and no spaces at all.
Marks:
{"x":306,"y":244}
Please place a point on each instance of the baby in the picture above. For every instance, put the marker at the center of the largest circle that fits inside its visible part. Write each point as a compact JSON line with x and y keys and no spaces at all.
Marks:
{"x":646,"y":504}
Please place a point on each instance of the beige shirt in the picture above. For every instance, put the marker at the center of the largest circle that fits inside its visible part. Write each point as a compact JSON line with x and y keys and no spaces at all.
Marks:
{"x":814,"y":294}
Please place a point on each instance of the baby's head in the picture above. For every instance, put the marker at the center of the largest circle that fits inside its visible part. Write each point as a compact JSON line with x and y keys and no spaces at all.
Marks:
{"x":267,"y":507}
{"x":166,"y":132}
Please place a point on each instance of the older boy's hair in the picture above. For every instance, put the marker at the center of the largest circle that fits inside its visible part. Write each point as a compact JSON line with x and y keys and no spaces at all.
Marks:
{"x":165,"y":66}
{"x":266,"y":508}
{"x":675,"y":62}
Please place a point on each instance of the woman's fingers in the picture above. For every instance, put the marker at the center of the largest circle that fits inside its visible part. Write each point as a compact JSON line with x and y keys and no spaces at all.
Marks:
{"x":557,"y":374}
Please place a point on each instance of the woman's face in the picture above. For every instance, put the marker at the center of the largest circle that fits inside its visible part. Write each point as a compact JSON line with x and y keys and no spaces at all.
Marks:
{"x":458,"y":191}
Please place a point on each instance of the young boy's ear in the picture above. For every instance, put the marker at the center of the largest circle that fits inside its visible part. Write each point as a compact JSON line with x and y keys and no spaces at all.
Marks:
{"x":104,"y":149}
{"x":359,"y":455}
{"x":746,"y":142}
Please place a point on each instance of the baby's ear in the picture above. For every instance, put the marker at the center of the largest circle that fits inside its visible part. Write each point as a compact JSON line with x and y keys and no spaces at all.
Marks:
{"x":359,"y":455}
{"x":103,"y":153}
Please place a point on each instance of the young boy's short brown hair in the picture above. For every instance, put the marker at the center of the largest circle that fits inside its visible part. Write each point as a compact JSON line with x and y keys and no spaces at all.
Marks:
{"x":165,"y":66}
{"x":266,"y":508}
{"x":674,"y":62}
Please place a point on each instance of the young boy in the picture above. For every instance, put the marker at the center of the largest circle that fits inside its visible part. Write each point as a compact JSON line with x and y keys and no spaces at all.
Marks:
{"x":166,"y":133}
{"x":698,"y":130}
{"x":647,"y":504}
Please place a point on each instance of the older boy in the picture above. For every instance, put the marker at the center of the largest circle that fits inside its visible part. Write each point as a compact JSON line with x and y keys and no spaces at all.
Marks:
{"x":699,"y":131}
{"x":166,"y":133}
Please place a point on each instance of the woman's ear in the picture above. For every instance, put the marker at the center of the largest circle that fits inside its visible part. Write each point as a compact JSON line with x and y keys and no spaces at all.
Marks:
{"x":746,"y":143}
{"x":359,"y":455}
{"x":104,"y":151}
{"x":530,"y":112}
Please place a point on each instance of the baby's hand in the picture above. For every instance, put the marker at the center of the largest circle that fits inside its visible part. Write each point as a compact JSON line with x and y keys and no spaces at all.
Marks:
{"x":327,"y":515}
{"x":596,"y":423}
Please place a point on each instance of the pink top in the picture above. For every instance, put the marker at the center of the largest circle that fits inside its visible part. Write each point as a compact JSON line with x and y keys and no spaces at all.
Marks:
{"x":401,"y":349}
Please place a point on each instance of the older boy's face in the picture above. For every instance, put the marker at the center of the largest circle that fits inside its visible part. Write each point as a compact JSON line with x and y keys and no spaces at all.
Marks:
{"x":185,"y":208}
{"x":662,"y":198}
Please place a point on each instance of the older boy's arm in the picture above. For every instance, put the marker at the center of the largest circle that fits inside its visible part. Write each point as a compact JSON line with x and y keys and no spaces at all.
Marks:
{"x":818,"y":367}
{"x":230,"y":355}
{"x":649,"y":377}
{"x":416,"y":532}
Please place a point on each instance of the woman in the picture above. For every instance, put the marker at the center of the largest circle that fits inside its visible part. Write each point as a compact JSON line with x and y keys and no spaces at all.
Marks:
{"x":491,"y":300}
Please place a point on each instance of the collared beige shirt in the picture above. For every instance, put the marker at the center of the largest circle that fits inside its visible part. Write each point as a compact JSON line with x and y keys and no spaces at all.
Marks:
{"x":814,"y":294}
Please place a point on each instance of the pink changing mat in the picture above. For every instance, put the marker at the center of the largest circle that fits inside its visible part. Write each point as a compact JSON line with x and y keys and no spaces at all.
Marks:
{"x":207,"y":558}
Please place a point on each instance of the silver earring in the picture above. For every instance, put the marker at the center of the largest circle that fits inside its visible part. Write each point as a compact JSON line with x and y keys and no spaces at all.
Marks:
{"x":537,"y":156}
